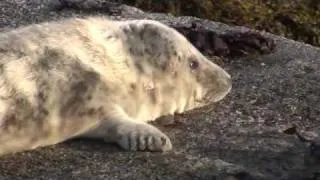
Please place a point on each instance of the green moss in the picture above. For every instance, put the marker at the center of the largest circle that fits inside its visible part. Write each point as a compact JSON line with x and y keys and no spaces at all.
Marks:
{"x":295,"y":19}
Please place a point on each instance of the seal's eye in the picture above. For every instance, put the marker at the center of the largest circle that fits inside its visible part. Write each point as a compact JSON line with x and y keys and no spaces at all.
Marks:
{"x":194,"y":64}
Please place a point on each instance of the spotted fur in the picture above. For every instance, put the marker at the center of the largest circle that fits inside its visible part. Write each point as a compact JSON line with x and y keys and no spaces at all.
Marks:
{"x":98,"y":78}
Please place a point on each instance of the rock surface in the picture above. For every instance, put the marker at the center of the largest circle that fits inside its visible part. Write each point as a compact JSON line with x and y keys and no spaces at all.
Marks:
{"x":246,"y":136}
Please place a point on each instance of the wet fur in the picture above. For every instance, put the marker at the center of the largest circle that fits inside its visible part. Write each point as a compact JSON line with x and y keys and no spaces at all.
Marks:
{"x":98,"y":78}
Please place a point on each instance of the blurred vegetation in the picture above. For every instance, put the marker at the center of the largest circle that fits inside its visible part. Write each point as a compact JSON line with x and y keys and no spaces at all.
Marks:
{"x":295,"y":19}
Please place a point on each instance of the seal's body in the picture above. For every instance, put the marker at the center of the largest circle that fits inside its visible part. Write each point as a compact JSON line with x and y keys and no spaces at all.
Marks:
{"x":98,"y":78}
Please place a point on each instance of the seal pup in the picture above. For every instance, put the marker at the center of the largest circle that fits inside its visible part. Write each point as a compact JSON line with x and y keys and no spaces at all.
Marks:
{"x":94,"y":77}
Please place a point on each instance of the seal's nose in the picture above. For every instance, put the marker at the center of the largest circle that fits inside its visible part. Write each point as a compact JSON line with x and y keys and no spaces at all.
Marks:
{"x":229,"y":82}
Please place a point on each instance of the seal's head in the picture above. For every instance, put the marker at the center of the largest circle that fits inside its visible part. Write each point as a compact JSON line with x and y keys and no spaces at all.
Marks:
{"x":211,"y":83}
{"x":175,"y":68}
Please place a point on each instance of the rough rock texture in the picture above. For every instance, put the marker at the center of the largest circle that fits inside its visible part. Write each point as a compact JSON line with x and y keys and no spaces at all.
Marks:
{"x":248,"y":135}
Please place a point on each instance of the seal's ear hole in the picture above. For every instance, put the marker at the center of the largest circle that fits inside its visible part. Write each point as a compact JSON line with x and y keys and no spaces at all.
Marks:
{"x":194,"y":64}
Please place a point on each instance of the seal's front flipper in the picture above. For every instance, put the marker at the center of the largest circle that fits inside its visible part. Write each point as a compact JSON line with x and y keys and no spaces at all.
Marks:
{"x":130,"y":134}
{"x":141,"y":136}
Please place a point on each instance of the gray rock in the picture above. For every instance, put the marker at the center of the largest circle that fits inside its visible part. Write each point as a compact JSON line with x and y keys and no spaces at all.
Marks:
{"x":244,"y":132}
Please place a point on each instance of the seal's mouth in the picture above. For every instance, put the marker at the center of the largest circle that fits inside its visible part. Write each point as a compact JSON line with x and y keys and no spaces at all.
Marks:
{"x":213,"y":97}
{"x":200,"y":101}
{"x":207,"y":96}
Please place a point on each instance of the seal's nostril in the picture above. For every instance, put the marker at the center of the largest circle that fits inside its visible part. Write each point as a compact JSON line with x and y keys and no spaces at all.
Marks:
{"x":228,"y":83}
